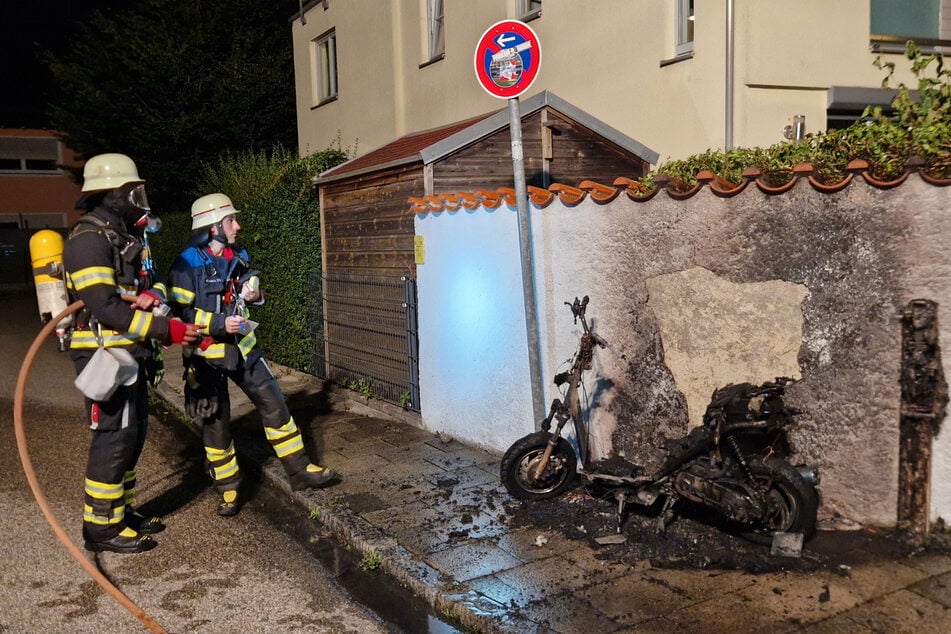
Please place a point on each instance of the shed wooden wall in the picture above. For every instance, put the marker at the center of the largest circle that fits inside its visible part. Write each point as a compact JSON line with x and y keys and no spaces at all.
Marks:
{"x":367,"y":240}
{"x":367,"y":228}
{"x":577,"y":154}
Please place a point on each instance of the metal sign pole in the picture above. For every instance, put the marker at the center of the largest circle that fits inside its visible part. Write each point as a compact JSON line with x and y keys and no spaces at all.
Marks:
{"x":525,"y":252}
{"x":507,"y":59}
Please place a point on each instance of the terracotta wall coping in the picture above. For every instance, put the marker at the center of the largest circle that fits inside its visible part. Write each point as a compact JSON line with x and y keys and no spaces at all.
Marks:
{"x":603,"y":194}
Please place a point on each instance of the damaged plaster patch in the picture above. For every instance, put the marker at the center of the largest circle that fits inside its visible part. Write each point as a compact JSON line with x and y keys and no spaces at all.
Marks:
{"x":717,"y":332}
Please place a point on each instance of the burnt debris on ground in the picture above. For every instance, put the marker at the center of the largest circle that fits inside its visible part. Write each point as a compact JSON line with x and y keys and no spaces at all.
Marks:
{"x":692,"y":541}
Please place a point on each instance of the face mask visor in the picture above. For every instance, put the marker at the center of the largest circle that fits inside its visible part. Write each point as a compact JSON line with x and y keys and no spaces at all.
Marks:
{"x":137,"y":199}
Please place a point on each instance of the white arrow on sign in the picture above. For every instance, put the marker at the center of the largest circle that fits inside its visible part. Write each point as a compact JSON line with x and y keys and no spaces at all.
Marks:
{"x":502,"y":40}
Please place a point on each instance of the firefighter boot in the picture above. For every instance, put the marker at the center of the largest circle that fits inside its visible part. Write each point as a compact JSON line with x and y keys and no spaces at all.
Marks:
{"x":311,"y":477}
{"x":228,"y":506}
{"x":133,"y":519}
{"x":126,"y":541}
{"x":141,"y":524}
{"x":288,"y":444}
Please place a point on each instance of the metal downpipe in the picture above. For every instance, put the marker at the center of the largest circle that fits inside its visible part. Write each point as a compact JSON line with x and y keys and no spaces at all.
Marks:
{"x":728,"y":110}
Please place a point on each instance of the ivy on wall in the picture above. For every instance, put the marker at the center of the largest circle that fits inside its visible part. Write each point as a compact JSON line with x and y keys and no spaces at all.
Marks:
{"x":919,"y":130}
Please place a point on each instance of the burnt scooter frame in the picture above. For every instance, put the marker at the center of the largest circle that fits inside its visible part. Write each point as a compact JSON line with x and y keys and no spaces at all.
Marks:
{"x":752,"y":484}
{"x":570,"y":408}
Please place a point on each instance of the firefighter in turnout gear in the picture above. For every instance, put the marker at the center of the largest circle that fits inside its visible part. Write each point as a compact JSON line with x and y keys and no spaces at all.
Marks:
{"x":212,"y":285}
{"x":103,"y":258}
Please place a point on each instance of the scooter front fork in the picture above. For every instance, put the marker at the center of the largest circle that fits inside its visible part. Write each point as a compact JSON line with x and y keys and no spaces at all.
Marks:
{"x":621,"y":507}
{"x":546,"y":456}
{"x":556,"y":408}
{"x":666,"y":514}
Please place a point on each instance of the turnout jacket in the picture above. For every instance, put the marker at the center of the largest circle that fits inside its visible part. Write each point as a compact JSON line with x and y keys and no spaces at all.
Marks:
{"x":103,"y":263}
{"x":205,"y":290}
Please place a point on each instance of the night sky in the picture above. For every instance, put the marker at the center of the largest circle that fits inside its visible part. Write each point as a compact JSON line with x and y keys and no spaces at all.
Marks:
{"x":27,"y":29}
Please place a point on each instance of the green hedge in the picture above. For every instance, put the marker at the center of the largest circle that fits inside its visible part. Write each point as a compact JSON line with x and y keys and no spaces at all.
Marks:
{"x":280,"y":228}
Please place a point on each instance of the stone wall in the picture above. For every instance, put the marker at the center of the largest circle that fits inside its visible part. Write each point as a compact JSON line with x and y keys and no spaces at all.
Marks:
{"x":699,"y":292}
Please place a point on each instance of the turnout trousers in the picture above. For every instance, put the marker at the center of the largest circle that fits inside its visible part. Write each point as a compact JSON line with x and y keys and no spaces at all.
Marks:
{"x":255,"y":379}
{"x":119,"y":427}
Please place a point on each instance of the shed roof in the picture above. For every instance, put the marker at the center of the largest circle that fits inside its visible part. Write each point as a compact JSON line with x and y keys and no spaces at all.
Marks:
{"x":431,"y":145}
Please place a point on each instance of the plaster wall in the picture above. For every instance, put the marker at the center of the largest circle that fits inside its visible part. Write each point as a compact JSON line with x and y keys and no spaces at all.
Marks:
{"x":609,"y":58}
{"x":474,"y":366}
{"x":805,"y":284}
{"x":364,"y":114}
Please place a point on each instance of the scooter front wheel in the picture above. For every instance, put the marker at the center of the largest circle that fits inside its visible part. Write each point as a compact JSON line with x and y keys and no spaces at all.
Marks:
{"x":519,"y":469}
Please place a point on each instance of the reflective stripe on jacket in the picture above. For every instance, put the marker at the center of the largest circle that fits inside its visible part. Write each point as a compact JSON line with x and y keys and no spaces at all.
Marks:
{"x":198,"y":286}
{"x":99,"y":273}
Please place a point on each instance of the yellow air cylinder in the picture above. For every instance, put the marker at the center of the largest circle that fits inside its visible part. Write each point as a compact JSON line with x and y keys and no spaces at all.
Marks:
{"x":46,"y":255}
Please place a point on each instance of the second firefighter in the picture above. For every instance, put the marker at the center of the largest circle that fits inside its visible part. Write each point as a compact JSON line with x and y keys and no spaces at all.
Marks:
{"x":211,"y":285}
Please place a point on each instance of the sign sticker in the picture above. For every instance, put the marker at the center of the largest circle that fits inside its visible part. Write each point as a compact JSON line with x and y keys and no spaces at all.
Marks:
{"x":507,"y":59}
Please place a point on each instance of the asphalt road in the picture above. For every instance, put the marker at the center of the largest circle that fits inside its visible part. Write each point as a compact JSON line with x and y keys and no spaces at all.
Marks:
{"x":261,"y":571}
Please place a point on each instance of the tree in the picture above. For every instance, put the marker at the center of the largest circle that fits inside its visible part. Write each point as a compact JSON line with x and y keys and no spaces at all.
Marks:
{"x":176,"y":83}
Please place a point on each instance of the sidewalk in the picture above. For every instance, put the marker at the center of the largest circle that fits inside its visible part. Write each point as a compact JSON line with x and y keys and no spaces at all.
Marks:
{"x":442,"y":524}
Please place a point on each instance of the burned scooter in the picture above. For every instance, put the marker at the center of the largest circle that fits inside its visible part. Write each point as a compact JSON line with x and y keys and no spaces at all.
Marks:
{"x":735,"y":464}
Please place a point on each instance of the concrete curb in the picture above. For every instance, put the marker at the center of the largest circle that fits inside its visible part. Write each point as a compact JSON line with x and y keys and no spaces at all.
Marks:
{"x":438,"y":517}
{"x":446,"y":596}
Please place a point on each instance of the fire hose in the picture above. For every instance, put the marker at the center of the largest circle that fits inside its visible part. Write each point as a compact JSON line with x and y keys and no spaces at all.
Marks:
{"x":76,"y":553}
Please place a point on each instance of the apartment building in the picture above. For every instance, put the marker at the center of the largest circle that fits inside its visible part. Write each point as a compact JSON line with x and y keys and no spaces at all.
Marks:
{"x":36,"y":192}
{"x":679,"y":76}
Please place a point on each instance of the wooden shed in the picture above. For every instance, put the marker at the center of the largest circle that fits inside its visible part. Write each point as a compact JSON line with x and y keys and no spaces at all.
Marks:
{"x":367,"y":230}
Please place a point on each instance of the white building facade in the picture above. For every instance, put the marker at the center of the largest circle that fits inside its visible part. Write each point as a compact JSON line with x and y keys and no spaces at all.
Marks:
{"x":678,"y":75}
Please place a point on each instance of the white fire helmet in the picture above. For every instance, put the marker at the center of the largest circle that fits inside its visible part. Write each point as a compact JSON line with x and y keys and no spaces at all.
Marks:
{"x":109,"y":171}
{"x":211,"y":209}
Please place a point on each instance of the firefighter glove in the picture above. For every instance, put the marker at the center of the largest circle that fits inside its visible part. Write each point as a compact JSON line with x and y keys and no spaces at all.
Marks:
{"x":180,"y":332}
{"x":201,"y":393}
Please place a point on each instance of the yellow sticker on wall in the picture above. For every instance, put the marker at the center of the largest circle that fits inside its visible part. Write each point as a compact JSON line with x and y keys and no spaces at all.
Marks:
{"x":419,"y":249}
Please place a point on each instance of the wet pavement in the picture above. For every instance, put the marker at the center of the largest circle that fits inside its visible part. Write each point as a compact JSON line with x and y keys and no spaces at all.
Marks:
{"x":433,"y":514}
{"x":272,"y":569}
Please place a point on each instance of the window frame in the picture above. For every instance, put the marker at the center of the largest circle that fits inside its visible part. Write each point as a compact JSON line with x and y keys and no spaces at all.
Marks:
{"x":436,"y":29}
{"x":324,"y":76}
{"x":895,"y":43}
{"x":30,"y":155}
{"x":528,"y":9}
{"x":683,"y":29}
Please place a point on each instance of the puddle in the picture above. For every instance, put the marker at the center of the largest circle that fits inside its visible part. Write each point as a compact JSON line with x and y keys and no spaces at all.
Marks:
{"x":398,"y":607}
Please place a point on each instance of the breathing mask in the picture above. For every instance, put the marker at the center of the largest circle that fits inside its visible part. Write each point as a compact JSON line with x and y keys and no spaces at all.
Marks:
{"x":131,"y":203}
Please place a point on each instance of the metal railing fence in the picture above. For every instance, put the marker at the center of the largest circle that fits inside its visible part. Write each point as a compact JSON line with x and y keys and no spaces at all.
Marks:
{"x":369,"y":339}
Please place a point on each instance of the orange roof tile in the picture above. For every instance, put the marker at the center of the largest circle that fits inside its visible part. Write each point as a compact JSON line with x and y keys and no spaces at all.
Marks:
{"x":603,"y":194}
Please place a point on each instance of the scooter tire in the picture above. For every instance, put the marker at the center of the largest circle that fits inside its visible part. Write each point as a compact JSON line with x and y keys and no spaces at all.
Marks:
{"x":518,"y":466}
{"x":793,"y":502}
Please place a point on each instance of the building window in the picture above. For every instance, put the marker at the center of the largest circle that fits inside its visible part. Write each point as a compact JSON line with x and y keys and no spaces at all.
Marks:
{"x":894,"y":22}
{"x":437,"y":35}
{"x":683,"y":38}
{"x":528,"y":9}
{"x":29,"y":154}
{"x":847,"y":104}
{"x":323,"y":52}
